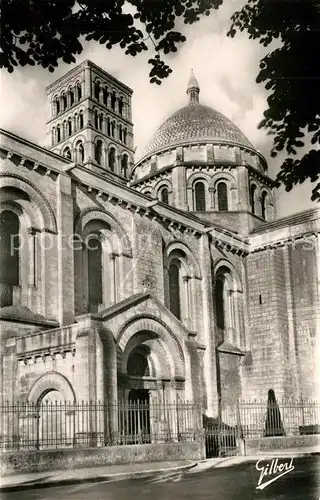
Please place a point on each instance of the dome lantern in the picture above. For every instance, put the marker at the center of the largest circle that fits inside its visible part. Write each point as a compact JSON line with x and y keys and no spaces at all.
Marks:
{"x":193,"y":89}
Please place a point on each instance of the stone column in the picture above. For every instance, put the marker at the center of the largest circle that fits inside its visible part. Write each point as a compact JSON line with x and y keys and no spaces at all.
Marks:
{"x":65,"y":251}
{"x":179,"y":186}
{"x":212,"y":192}
{"x":87,"y":83}
{"x":209,"y":329}
{"x":243,"y":189}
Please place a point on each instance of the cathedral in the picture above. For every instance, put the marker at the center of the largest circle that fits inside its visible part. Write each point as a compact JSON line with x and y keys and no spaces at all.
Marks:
{"x":127,"y":279}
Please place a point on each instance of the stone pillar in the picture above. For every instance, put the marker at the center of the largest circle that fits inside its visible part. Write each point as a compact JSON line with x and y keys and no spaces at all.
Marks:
{"x":65,"y":251}
{"x":243,"y":189}
{"x":113,"y":281}
{"x":179,"y":186}
{"x":212,"y":192}
{"x":32,"y":266}
{"x":209,"y":357}
{"x":87,"y":83}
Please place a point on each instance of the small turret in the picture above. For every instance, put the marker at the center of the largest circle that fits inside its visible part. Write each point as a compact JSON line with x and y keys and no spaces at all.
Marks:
{"x":193,"y":89}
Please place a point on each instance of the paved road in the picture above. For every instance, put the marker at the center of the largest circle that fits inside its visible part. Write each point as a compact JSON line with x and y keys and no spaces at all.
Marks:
{"x":231,"y":483}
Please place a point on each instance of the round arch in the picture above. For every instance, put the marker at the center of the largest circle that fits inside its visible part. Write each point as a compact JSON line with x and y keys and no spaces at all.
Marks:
{"x":89,"y":214}
{"x":159,"y":330}
{"x":198,"y":176}
{"x":159,"y":359}
{"x":78,"y":138}
{"x":191,"y":259}
{"x":223,"y":176}
{"x":48,"y":382}
{"x":223,"y":263}
{"x":163,"y":183}
{"x":48,"y":221}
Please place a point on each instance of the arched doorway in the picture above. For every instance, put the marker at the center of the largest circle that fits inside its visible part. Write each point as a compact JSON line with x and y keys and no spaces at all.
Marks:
{"x":138,"y":418}
{"x":55,"y":422}
{"x":139,"y":415}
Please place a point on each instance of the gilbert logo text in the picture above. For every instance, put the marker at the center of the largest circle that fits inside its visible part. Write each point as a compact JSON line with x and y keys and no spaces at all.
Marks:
{"x":270,"y":472}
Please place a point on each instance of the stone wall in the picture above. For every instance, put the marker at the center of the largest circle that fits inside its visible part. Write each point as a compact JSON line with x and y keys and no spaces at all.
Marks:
{"x":37,"y":461}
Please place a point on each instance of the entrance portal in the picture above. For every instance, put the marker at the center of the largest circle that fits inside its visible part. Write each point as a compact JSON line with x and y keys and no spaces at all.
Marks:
{"x":139,"y":416}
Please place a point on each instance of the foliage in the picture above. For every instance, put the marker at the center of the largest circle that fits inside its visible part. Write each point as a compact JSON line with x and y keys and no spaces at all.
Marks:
{"x":46,"y":31}
{"x":291,"y":72}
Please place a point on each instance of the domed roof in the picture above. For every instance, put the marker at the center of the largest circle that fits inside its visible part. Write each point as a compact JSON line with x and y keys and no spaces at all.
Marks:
{"x":195,"y":123}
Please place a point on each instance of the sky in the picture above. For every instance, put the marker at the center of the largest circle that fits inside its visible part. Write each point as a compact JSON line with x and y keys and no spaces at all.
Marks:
{"x":226,"y":69}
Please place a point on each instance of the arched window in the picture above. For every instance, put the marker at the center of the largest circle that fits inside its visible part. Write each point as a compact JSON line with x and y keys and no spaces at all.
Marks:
{"x":113,"y":101}
{"x":219,"y":302}
{"x":108,"y":126}
{"x":105,"y":96}
{"x":164,"y":195}
{"x":71,"y":92}
{"x":124,"y":165}
{"x":113,"y":126}
{"x":96,"y":91}
{"x":55,"y":106}
{"x":53,"y":136}
{"x":100,"y":121}
{"x":222,"y":192}
{"x":94,"y":274}
{"x":120,"y":133}
{"x":98,"y":152}
{"x":112,"y":159}
{"x":9,"y":255}
{"x":174,"y":288}
{"x":64,"y":102}
{"x":78,"y":91}
{"x":125,"y":134}
{"x":64,"y":129}
{"x":79,"y":152}
{"x":120,"y":105}
{"x":57,"y":102}
{"x":225,"y":308}
{"x":263,"y":204}
{"x":253,"y":198}
{"x":81,"y":120}
{"x":138,"y":365}
{"x":67,"y":153}
{"x":96,"y":119}
{"x":69,"y":127}
{"x":200,"y":197}
{"x":58,"y":133}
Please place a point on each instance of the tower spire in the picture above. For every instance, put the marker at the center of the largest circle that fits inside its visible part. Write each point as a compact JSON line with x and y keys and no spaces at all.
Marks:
{"x":193,"y":88}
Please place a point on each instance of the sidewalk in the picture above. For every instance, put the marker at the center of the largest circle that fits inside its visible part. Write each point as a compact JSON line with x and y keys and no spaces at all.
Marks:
{"x":47,"y":479}
{"x":268,"y":455}
{"x":14,"y":482}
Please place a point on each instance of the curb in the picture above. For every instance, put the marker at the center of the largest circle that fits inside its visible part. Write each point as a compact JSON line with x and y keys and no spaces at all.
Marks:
{"x":95,"y":479}
{"x":237,"y":460}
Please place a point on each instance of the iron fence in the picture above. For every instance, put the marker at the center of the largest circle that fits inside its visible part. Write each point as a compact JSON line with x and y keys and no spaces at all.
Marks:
{"x":282,"y":418}
{"x":258,"y":419}
{"x":87,"y":424}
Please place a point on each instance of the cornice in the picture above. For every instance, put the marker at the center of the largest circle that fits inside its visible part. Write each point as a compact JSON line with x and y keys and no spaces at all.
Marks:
{"x":71,"y":74}
{"x":201,"y":166}
{"x":30,"y":164}
{"x":76,"y":105}
{"x":174,"y":220}
{"x":289,"y":241}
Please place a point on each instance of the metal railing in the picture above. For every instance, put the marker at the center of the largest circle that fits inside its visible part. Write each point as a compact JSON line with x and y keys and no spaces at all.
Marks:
{"x":285,"y":417}
{"x":87,"y":424}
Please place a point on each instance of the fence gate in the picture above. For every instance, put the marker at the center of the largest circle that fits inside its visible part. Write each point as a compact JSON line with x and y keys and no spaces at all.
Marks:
{"x":221,"y":441}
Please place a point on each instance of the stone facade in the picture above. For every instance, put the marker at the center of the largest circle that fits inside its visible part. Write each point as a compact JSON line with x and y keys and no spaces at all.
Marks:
{"x":203,"y":296}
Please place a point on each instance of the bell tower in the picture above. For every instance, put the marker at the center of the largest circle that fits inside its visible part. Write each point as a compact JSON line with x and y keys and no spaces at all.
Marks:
{"x":90,"y":120}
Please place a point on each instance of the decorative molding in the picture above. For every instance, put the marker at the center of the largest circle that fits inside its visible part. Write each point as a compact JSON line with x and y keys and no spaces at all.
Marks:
{"x":41,"y":202}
